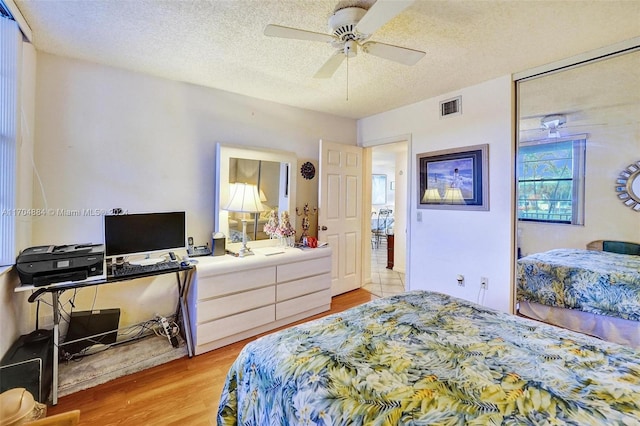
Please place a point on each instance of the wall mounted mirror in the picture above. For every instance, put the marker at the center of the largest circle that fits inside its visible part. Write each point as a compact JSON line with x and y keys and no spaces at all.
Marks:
{"x":269,"y":170}
{"x":628,"y":186}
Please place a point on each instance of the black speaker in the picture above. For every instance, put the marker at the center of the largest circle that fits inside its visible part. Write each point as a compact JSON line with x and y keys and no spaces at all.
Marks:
{"x":29,"y":364}
{"x":85,"y":325}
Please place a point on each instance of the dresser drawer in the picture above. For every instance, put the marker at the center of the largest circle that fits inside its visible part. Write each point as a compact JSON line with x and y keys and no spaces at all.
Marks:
{"x":234,"y":324}
{"x":230,"y":305}
{"x":301,"y":304}
{"x":220,"y":285}
{"x":306,"y":268}
{"x":292,"y":289}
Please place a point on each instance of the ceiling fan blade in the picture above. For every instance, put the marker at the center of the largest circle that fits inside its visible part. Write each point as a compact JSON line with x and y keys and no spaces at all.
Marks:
{"x":399,"y":54}
{"x":294,"y":33}
{"x":380,"y":13}
{"x":329,"y":68}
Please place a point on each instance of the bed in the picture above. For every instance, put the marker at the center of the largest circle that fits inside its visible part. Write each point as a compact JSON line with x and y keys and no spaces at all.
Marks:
{"x":596,"y":292}
{"x":422,"y":358}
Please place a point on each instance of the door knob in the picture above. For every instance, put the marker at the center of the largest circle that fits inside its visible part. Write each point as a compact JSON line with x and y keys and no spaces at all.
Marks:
{"x":322,"y":228}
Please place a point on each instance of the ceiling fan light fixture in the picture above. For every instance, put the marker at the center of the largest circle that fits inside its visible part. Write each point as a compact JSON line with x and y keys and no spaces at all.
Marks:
{"x":552,"y":123}
{"x":350,"y":49}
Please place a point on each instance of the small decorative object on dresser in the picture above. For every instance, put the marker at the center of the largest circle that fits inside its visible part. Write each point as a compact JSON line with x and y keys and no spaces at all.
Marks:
{"x":305,"y":219}
{"x":285,"y":230}
{"x":271,"y":227}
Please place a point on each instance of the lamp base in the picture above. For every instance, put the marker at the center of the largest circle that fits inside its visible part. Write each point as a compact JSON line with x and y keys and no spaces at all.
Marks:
{"x":244,"y":252}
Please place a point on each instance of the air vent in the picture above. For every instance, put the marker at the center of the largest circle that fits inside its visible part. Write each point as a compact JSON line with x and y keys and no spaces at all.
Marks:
{"x":451,"y":107}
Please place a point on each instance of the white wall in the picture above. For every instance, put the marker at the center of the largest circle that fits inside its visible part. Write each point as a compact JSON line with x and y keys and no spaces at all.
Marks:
{"x":401,"y":195}
{"x":449,"y":242}
{"x":108,"y":138}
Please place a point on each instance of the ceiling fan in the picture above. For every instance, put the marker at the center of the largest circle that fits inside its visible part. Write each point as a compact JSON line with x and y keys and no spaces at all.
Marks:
{"x":351,"y":27}
{"x":533,"y":126}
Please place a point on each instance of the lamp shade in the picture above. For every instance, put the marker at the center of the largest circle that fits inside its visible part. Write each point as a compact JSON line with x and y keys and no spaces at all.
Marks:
{"x":244,"y":198}
{"x":453,"y":196}
{"x":431,"y":195}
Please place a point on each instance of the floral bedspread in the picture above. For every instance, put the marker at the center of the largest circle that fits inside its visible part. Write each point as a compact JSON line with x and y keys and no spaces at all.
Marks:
{"x":424,"y":358}
{"x":592,"y":281}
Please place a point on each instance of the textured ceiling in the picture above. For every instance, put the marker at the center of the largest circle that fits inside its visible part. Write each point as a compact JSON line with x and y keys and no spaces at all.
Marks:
{"x":220,"y":44}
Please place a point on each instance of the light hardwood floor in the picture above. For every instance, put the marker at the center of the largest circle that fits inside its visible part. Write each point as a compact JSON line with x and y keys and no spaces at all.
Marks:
{"x":182,"y":392}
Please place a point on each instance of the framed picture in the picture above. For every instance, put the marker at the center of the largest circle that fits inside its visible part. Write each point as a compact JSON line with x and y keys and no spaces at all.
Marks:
{"x":454,"y":179}
{"x":379,"y":189}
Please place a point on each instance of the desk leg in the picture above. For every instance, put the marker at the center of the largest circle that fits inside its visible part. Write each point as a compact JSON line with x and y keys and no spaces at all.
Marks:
{"x":182,"y":309}
{"x":56,"y":340}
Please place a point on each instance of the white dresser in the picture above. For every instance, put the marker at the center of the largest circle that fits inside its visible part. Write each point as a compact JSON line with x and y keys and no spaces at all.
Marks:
{"x":234,"y":298}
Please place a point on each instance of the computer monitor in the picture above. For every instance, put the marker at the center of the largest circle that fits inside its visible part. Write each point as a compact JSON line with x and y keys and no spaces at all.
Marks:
{"x":144,"y":233}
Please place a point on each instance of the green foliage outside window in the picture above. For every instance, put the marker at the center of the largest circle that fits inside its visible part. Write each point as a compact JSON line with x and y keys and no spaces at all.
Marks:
{"x":548,"y":181}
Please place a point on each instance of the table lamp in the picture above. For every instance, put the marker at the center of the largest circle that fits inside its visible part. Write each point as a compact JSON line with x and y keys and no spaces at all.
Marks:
{"x":244,"y":198}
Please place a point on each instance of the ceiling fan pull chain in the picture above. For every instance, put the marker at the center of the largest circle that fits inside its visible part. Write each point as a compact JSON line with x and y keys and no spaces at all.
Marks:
{"x":347,"y":77}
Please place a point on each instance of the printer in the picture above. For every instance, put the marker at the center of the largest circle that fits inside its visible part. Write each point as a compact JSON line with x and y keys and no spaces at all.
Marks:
{"x":44,"y":265}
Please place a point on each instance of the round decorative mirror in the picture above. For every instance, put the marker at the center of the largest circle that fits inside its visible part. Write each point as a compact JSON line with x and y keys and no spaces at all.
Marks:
{"x":628,"y":186}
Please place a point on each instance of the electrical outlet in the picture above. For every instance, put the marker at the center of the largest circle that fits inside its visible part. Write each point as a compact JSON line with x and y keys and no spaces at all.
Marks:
{"x":484,"y":283}
{"x":460,"y":279}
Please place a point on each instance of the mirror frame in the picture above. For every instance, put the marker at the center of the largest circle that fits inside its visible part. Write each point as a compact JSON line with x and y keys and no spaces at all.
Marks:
{"x":625,"y":186}
{"x":224,"y":153}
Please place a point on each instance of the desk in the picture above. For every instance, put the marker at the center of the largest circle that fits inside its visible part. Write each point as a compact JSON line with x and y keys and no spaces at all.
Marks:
{"x":58,"y":288}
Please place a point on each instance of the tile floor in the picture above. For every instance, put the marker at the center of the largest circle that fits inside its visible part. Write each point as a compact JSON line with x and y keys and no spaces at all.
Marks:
{"x":384,"y":282}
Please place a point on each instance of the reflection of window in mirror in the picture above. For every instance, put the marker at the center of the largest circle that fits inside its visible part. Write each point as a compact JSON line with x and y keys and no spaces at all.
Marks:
{"x":550,"y":180}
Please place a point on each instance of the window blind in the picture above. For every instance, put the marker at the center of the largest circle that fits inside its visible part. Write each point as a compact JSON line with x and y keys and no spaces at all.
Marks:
{"x":9,"y":59}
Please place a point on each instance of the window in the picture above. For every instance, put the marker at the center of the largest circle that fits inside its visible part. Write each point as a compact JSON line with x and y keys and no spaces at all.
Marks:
{"x":9,"y":46}
{"x":550,"y":181}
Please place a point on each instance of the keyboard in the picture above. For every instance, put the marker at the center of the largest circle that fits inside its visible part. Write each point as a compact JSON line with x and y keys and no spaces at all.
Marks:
{"x":134,"y":270}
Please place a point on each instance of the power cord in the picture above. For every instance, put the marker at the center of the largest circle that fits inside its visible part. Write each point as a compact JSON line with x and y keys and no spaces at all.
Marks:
{"x":168,"y":330}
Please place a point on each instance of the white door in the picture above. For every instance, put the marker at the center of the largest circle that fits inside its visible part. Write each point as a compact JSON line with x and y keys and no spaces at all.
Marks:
{"x":340,"y":212}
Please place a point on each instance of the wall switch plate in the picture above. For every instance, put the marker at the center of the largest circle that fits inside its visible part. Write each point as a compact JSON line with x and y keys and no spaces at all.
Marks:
{"x":419,"y":216}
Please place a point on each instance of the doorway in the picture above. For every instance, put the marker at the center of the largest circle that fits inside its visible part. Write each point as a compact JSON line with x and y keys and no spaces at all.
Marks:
{"x":388,"y":208}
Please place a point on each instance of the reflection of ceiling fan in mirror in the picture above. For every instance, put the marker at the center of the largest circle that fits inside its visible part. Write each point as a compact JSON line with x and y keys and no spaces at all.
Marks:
{"x":351,"y":27}
{"x":551,"y":124}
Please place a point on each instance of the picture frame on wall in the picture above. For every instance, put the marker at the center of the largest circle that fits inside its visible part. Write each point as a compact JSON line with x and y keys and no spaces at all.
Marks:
{"x":454,"y":179}
{"x":378,"y":189}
